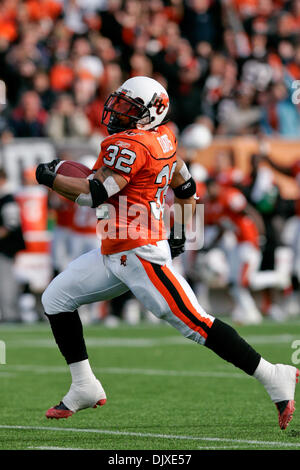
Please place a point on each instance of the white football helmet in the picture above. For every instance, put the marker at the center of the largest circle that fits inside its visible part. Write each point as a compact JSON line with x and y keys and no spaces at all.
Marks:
{"x":140,"y":102}
{"x":196,"y":137}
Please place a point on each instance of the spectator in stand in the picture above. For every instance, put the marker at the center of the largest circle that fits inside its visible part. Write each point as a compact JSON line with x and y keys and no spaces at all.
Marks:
{"x":62,"y":76}
{"x":237,"y":115}
{"x":104,"y":50}
{"x":5,"y":133}
{"x":280,"y":116}
{"x":65,"y":120}
{"x":29,"y":118}
{"x":201,"y":21}
{"x":41,"y":84}
{"x":112,"y":79}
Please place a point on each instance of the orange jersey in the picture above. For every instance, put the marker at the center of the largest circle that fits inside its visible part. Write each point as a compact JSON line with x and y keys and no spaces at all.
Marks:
{"x":227,"y":211}
{"x":147,"y":160}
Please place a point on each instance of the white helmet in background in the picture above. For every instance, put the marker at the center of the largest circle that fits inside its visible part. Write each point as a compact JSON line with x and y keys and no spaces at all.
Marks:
{"x":198,"y":172}
{"x":196,"y":137}
{"x":140,"y":102}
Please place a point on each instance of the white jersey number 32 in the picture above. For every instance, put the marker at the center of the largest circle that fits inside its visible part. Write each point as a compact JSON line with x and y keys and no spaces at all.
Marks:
{"x":157,"y":206}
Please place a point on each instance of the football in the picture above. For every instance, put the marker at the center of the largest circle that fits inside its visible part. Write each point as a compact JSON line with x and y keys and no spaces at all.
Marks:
{"x":72,"y":168}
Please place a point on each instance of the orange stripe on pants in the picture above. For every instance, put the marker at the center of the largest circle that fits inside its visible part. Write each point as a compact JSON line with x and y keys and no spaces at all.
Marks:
{"x":170,"y":300}
{"x":184,"y":297}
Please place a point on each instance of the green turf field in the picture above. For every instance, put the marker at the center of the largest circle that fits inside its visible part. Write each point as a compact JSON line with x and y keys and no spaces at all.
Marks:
{"x":164,"y":392}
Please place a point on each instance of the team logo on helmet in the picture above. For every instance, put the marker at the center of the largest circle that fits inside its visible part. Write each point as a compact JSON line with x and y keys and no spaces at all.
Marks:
{"x":161,"y":103}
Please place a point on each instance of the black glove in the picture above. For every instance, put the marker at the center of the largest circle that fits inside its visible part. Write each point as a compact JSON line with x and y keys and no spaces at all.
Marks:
{"x":177,"y":240}
{"x":45,"y":173}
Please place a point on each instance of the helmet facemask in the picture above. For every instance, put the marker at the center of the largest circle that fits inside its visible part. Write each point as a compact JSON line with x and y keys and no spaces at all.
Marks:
{"x":122,"y":112}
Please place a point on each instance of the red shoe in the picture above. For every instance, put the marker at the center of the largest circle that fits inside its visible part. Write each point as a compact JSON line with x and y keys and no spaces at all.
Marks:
{"x":286,"y":409}
{"x":79,"y":397}
{"x":61,"y":411}
{"x":285,"y":412}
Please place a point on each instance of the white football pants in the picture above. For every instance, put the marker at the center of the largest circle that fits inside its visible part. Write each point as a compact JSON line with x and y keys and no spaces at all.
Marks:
{"x":244,"y":261}
{"x":152,"y":279}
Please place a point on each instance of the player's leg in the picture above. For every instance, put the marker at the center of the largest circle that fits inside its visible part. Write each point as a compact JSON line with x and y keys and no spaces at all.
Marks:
{"x":86,"y":280}
{"x":168,"y":296}
{"x":263,"y":279}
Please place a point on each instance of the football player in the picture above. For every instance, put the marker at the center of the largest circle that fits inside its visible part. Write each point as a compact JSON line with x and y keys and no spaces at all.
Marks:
{"x":292,"y":171}
{"x":227,"y":207}
{"x":137,"y":163}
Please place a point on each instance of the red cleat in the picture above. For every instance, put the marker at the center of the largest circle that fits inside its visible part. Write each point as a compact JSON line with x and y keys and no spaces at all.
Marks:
{"x":61,"y":411}
{"x":285,"y":412}
{"x":286,"y":409}
{"x":58,"y":412}
{"x":100,"y":403}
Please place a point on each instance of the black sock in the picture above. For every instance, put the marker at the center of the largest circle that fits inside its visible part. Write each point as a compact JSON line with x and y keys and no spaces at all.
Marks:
{"x":68,"y":334}
{"x":229,"y":345}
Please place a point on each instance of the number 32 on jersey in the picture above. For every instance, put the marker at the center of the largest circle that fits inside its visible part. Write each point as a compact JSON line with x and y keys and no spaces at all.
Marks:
{"x":124,"y":161}
{"x":164,"y":176}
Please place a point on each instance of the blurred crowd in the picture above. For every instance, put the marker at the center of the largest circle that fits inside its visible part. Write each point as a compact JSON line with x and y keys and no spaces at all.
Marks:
{"x":231,"y":68}
{"x":233,"y":61}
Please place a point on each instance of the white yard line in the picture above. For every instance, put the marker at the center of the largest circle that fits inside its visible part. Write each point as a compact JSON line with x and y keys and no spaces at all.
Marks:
{"x":38,"y":369}
{"x":154,"y":435}
{"x":44,"y":327}
{"x":221,"y":447}
{"x":94,"y":342}
{"x":175,"y":373}
{"x":271,"y":339}
{"x":54,"y":448}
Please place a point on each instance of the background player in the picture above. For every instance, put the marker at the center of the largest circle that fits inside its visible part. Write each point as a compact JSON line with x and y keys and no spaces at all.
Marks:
{"x":292,"y":171}
{"x":227,"y":207}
